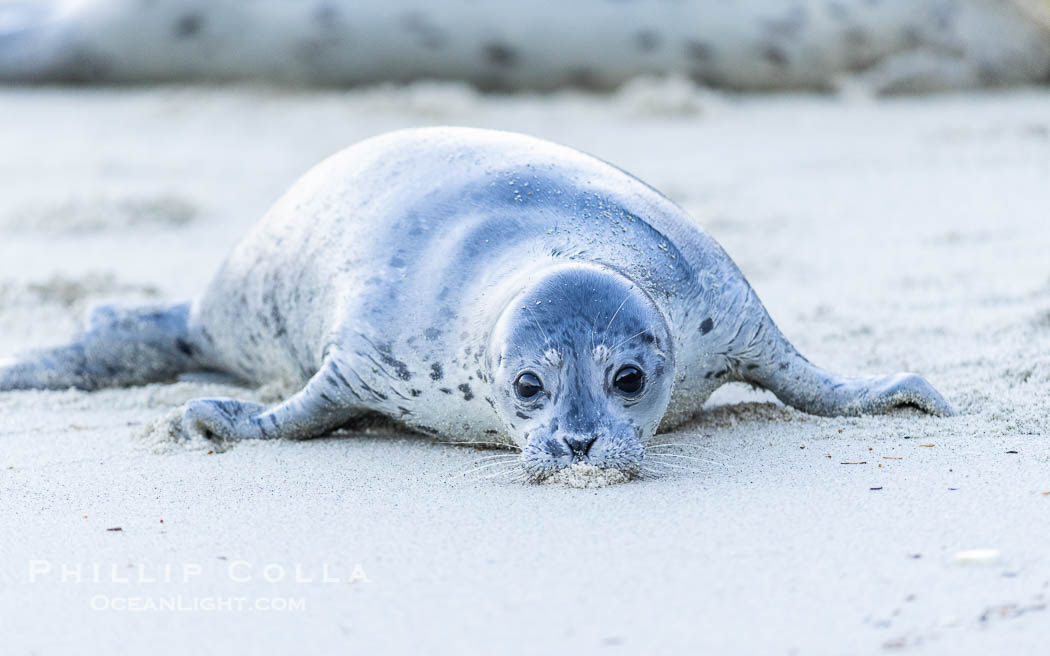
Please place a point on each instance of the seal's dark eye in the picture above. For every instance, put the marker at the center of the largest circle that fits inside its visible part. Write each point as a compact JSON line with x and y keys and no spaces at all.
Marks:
{"x":528,"y":385}
{"x":629,"y":380}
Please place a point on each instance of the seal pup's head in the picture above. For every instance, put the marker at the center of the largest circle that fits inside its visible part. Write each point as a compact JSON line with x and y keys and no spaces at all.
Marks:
{"x":583,"y":366}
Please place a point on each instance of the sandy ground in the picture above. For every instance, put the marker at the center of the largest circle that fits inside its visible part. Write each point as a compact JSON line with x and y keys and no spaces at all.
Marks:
{"x":898,"y":235}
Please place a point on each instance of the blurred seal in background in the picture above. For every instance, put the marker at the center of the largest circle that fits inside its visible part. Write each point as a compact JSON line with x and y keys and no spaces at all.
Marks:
{"x":892,"y":46}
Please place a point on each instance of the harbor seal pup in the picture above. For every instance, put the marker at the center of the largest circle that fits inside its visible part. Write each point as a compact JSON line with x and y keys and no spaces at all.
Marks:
{"x":892,"y":45}
{"x":476,"y":285}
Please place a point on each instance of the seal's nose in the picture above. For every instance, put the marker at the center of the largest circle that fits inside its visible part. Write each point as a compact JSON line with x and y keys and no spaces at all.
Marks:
{"x":580,"y":445}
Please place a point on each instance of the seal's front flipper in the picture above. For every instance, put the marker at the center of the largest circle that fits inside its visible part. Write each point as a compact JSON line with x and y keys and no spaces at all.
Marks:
{"x":761,"y":355}
{"x":120,"y":347}
{"x":326,"y":403}
{"x":880,"y":393}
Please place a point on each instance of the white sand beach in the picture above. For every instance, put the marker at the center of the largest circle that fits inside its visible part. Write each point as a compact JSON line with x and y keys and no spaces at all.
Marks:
{"x":883,"y":236}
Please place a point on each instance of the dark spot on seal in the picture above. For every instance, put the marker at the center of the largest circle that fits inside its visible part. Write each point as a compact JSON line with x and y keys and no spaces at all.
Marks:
{"x":436,"y":372}
{"x":403,"y":410}
{"x":499,"y":54}
{"x":373,"y":392}
{"x":339,"y":374}
{"x":856,"y":37}
{"x":326,"y":15}
{"x":698,"y":50}
{"x":184,"y":347}
{"x":467,"y":394}
{"x":400,"y":367}
{"x":944,"y":16}
{"x":721,"y":373}
{"x":415,"y":392}
{"x":188,"y":25}
{"x":397,"y":262}
{"x":521,"y":415}
{"x":775,"y":55}
{"x":432,"y":334}
{"x":783,"y":366}
{"x":752,"y":366}
{"x":988,"y":75}
{"x":85,"y":65}
{"x":445,"y":390}
{"x":912,"y":37}
{"x":207,"y":336}
{"x":429,"y":429}
{"x":706,"y":325}
{"x":647,"y":40}
{"x":584,"y":78}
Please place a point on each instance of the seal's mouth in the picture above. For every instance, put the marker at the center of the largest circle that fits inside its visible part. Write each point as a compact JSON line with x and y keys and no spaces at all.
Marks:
{"x":579,"y":462}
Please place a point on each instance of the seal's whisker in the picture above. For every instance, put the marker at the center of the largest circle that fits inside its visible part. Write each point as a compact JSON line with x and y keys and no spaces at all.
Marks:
{"x":509,"y":475}
{"x":594,"y":325}
{"x":676,"y":455}
{"x":481,"y":476}
{"x":546,"y":338}
{"x":493,"y":456}
{"x":692,"y":470}
{"x":477,"y":469}
{"x":688,"y":446}
{"x":613,"y":317}
{"x":650,"y":472}
{"x":494,"y":445}
{"x":650,"y":444}
{"x":487,"y":459}
{"x":640,"y":332}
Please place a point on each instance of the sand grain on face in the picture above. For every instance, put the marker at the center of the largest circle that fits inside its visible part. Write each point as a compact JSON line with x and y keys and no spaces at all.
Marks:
{"x":583,"y":475}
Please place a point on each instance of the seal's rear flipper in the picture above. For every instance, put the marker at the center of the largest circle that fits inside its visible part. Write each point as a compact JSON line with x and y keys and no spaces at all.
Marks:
{"x":119,"y":347}
{"x":327,"y":402}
